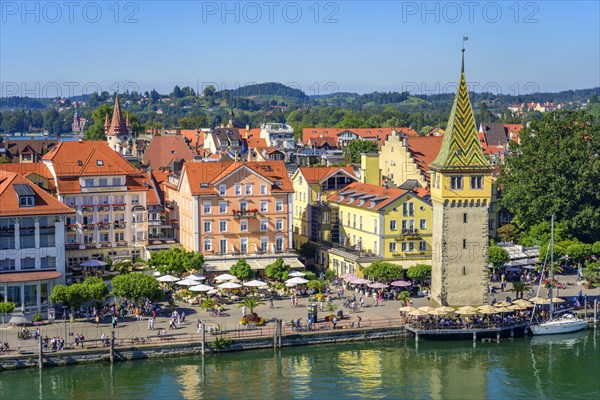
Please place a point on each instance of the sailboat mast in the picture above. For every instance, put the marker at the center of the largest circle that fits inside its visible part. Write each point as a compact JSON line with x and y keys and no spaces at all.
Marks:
{"x":551,"y":291}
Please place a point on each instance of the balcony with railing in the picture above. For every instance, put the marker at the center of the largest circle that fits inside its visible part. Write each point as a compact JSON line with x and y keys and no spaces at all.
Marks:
{"x":410,"y":232}
{"x":119,"y":224}
{"x":119,"y":206}
{"x":103,"y":226}
{"x":245,"y":213}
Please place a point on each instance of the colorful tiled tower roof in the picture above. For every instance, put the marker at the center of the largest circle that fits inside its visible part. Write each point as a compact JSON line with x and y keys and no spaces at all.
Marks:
{"x":461,"y":148}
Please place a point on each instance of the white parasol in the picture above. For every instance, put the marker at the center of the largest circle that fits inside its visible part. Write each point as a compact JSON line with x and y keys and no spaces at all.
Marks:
{"x":296,"y":281}
{"x":167,"y":278}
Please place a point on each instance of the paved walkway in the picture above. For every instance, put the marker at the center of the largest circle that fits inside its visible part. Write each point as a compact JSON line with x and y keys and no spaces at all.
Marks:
{"x":130,"y":328}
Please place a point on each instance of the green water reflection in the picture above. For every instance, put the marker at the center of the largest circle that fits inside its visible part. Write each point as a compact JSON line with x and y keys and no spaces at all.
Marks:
{"x":561,"y":367}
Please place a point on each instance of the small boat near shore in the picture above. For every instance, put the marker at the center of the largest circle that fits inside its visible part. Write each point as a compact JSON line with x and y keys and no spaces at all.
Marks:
{"x":568,"y":322}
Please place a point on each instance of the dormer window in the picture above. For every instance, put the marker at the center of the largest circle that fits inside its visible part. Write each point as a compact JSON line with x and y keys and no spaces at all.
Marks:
{"x":99,"y":163}
{"x":80,"y":163}
{"x":25,"y":194}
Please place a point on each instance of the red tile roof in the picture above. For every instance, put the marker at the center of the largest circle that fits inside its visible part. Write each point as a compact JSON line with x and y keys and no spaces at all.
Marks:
{"x":319,"y":174}
{"x":322,"y":141}
{"x":379,"y":134}
{"x":209,"y":173}
{"x":45,"y":204}
{"x":194,"y":137}
{"x":254,"y":142}
{"x":424,"y":149}
{"x":75,"y":159}
{"x":375,"y":197}
{"x":164,"y":149}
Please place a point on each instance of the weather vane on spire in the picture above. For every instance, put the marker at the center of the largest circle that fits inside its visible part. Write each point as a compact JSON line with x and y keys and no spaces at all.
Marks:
{"x":462,"y":68}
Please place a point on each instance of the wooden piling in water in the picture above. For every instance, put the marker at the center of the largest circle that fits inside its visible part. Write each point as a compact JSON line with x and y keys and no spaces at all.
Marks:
{"x":112,"y":346}
{"x":40,"y":353}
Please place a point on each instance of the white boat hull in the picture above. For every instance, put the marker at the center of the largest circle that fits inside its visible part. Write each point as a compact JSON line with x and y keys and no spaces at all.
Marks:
{"x":558,"y":326}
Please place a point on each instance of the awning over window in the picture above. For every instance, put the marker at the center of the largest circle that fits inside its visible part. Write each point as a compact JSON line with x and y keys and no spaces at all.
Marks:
{"x":12,"y":277}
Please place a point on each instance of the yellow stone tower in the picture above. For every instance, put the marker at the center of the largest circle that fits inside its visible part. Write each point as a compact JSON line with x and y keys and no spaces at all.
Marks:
{"x":461,"y":190}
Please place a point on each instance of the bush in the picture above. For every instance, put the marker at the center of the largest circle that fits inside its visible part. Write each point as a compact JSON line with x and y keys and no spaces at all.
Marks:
{"x":253,"y":319}
{"x":222,"y":342}
{"x":37,"y":317}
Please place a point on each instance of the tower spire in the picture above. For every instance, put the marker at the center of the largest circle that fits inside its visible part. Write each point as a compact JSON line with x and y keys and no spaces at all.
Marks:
{"x":118,"y":125}
{"x":461,"y":148}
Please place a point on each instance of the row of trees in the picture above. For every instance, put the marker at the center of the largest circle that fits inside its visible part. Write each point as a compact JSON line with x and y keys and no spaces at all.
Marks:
{"x":383,"y":271}
{"x":92,"y":289}
{"x":136,"y":287}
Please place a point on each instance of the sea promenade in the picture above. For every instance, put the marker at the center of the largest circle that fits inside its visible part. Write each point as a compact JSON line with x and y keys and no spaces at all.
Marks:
{"x":381,"y":321}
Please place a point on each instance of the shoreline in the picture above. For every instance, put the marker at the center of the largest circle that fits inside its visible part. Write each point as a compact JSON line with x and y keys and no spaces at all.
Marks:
{"x":187,"y":348}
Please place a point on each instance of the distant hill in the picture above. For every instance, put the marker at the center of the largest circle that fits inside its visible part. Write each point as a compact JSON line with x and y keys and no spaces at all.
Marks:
{"x":22,"y":102}
{"x":267,"y":91}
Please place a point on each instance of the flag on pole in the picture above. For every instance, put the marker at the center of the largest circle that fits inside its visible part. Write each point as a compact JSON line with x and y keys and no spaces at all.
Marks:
{"x":465,"y":38}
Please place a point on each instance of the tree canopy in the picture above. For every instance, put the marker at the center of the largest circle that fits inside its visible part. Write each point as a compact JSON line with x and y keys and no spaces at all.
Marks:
{"x":555,"y":170}
{"x":278,"y":270}
{"x":176,"y":260}
{"x":419,"y":271}
{"x":497,"y":256}
{"x":241,"y":270}
{"x":77,"y":294}
{"x":357,"y":147}
{"x":384,"y":271}
{"x":137,"y":287}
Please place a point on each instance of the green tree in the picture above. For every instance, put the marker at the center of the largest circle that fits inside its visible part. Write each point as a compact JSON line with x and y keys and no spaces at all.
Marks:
{"x":6,"y":307}
{"x":404,"y":297}
{"x":579,"y":252}
{"x":73,"y":295}
{"x":519,"y":288}
{"x":509,"y":233}
{"x":357,"y":147}
{"x":137,"y":287}
{"x":308,"y":250}
{"x":596,"y":248}
{"x":4,"y":159}
{"x":420,"y":272}
{"x":176,"y":260}
{"x":318,"y":285}
{"x":278,"y":270}
{"x":97,"y":289}
{"x":251,"y":303}
{"x":241,"y":270}
{"x":96,"y":130}
{"x":592,"y":272}
{"x":497,"y":256}
{"x":384,"y":271}
{"x":555,"y":171}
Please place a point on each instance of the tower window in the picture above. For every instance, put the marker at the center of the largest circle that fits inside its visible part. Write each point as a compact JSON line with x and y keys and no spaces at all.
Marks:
{"x":464,"y":243}
{"x":456,"y":182}
{"x":465,"y":218}
{"x":464,"y":270}
{"x":477,"y":182}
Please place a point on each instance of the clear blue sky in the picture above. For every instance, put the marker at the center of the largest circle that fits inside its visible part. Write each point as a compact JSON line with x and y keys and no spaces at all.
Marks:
{"x":359,"y":46}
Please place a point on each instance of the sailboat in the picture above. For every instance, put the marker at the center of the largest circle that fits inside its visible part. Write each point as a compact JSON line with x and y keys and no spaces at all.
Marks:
{"x":567,"y":323}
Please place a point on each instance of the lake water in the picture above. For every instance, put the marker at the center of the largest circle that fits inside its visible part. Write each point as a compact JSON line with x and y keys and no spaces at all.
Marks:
{"x":559,"y":367}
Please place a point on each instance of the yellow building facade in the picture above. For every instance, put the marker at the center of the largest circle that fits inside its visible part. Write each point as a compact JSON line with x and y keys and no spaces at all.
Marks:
{"x":380,"y":224}
{"x":314,"y":218}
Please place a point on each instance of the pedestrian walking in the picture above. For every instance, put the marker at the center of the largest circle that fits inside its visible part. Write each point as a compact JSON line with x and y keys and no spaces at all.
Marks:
{"x":334,"y":322}
{"x":199,"y":326}
{"x":271,"y":305}
{"x":243,"y":311}
{"x":114,"y":322}
{"x":358,"y":321}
